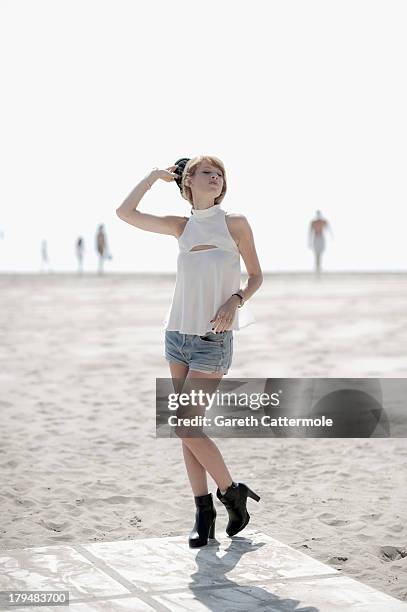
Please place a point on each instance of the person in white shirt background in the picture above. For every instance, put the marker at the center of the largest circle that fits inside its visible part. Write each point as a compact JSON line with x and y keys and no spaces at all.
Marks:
{"x":203,"y":314}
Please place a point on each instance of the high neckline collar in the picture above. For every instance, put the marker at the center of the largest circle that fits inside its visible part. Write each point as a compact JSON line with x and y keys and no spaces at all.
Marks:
{"x":206,"y":212}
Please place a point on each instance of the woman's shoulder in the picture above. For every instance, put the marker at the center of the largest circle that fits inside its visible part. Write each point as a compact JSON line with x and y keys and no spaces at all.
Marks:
{"x":236,"y":223}
{"x":236,"y":219}
{"x":234,"y":215}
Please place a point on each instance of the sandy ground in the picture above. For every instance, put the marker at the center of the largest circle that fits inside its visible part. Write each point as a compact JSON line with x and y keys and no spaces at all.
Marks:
{"x":79,"y":460}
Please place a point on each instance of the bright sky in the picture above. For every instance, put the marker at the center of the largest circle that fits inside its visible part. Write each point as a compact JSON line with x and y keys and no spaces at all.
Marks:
{"x":304,"y":101}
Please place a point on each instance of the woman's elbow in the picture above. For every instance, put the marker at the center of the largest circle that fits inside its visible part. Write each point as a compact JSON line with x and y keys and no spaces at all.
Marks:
{"x":119,"y":213}
{"x":257,"y":278}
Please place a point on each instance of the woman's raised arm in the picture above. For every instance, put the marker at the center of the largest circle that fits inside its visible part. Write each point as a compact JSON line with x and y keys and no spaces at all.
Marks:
{"x":128,"y":212}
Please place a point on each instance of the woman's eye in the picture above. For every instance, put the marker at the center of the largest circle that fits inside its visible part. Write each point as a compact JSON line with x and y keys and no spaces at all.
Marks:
{"x":207,"y":172}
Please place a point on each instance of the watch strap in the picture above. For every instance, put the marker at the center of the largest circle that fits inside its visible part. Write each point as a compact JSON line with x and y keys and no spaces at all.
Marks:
{"x":241,"y":298}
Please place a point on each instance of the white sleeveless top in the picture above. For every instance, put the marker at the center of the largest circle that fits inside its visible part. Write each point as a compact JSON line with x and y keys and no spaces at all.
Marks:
{"x":205,"y":278}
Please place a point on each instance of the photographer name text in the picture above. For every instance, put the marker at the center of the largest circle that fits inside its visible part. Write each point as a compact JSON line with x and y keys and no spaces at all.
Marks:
{"x":248,"y":421}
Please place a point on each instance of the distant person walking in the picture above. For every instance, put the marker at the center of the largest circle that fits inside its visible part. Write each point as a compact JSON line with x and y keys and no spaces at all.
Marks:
{"x":80,"y":248}
{"x":101,"y":247}
{"x":45,"y":265}
{"x":316,"y":238}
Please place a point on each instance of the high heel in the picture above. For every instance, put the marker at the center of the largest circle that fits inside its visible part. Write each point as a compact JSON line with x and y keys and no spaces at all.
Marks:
{"x":253,"y":495}
{"x":235,"y":500}
{"x":205,"y":517}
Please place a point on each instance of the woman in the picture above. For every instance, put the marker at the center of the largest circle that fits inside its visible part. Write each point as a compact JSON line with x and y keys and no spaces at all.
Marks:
{"x":201,"y":319}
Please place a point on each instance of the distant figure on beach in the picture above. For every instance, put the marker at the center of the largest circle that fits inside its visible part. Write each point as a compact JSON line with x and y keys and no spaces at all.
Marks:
{"x":316,"y":238}
{"x":79,"y":248}
{"x":101,"y":247}
{"x":45,"y":265}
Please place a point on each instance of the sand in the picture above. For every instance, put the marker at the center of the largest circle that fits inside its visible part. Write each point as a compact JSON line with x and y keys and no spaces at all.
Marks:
{"x":79,"y":460}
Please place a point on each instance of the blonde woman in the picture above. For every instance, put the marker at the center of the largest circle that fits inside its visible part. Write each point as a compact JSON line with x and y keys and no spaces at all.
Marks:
{"x":207,"y":305}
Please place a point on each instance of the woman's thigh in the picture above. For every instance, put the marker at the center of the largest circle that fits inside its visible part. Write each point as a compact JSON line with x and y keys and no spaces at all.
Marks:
{"x":180,"y":372}
{"x":197,"y":374}
{"x":198,"y":385}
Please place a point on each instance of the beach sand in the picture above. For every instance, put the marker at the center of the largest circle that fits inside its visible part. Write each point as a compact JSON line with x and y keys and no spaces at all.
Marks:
{"x":79,"y":460}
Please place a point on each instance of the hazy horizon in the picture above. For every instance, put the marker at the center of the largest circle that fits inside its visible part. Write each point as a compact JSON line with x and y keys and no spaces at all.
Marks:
{"x":305,"y":273}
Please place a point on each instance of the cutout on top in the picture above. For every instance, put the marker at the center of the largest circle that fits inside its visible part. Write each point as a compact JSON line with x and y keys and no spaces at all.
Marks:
{"x":203,"y":247}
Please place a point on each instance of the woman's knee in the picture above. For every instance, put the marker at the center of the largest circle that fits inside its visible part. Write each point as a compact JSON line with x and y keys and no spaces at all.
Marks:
{"x":185,"y":432}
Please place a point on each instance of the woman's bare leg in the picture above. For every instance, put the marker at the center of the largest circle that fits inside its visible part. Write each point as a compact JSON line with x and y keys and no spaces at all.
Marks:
{"x":196,"y":472}
{"x":203,"y":448}
{"x":318,"y":262}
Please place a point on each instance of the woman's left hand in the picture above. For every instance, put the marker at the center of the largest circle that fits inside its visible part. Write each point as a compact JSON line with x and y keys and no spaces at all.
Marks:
{"x":224,"y":317}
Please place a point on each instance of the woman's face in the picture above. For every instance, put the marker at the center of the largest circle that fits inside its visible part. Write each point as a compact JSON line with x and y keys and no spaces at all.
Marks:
{"x":208,"y":179}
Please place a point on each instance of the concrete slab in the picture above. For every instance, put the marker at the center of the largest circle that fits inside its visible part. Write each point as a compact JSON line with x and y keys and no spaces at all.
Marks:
{"x":54,"y":568}
{"x":251,"y":572}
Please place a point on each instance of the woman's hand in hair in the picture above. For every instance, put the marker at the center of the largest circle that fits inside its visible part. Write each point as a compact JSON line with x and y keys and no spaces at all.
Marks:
{"x":224,"y":317}
{"x":166,"y":175}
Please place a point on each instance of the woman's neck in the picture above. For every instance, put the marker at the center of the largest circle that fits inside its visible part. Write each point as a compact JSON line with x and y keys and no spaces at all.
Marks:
{"x":203,"y":204}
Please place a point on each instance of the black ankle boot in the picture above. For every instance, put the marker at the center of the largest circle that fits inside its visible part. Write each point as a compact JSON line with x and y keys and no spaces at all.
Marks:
{"x":204,"y":521}
{"x":234,"y":500}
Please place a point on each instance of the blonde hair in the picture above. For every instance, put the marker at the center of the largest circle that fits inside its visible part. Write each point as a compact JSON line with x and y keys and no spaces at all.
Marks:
{"x":190,"y":170}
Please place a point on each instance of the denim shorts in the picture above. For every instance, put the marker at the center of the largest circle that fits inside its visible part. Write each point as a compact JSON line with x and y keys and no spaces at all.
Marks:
{"x":211,"y":352}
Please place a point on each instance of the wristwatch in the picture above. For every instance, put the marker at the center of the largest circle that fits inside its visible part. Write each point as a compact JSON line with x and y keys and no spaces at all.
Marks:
{"x":239,"y":293}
